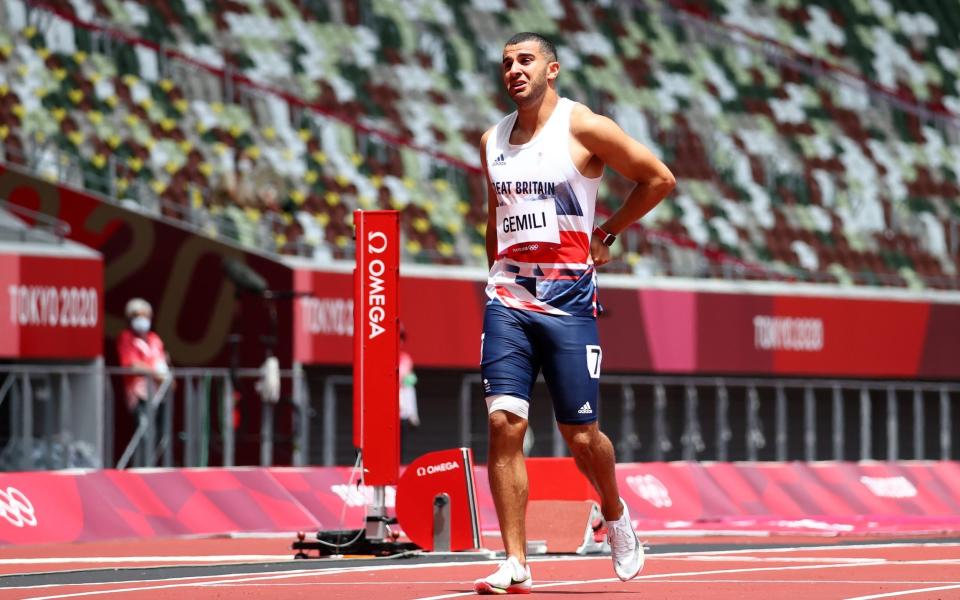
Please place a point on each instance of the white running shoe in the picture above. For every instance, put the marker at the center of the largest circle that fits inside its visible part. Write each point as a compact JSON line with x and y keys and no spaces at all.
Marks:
{"x":625,"y":546}
{"x":510,"y":578}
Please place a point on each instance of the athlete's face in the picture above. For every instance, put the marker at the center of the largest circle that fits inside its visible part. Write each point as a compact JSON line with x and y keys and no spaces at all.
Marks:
{"x":526,"y":72}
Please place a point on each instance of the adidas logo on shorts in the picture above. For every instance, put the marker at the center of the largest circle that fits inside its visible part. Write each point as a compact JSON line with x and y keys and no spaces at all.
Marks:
{"x":499,"y":161}
{"x":585,"y":409}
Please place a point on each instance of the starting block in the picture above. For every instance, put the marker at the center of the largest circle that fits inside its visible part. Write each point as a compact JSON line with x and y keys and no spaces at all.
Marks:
{"x":567,"y":526}
{"x":437,"y":501}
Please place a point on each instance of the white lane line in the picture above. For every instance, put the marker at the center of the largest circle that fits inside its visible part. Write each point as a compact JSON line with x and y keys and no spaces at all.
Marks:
{"x":143,"y":559}
{"x":193,"y":580}
{"x":664,"y":576}
{"x":693,"y":582}
{"x":241,"y":578}
{"x":279,"y":584}
{"x":692,"y":554}
{"x":812,"y":560}
{"x":43,"y":586}
{"x":789,"y":549}
{"x":187,"y":583}
{"x":673,"y":576}
{"x":318,"y":572}
{"x":940,"y":588}
{"x":767,"y":559}
{"x":287,"y":557}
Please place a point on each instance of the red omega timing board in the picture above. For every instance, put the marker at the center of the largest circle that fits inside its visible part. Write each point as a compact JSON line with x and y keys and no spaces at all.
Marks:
{"x":376,"y":345}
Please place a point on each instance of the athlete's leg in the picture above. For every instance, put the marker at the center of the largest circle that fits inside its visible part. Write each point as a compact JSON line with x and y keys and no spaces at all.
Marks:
{"x":571,"y":368}
{"x":593,"y":453}
{"x":573,"y":374}
{"x":508,"y":369}
{"x":508,"y":480}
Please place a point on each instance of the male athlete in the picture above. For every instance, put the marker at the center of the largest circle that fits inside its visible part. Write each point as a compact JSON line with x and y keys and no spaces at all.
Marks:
{"x":543,"y":165}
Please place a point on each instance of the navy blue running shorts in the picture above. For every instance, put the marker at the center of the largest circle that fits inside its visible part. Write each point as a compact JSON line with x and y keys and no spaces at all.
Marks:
{"x":516,"y":344}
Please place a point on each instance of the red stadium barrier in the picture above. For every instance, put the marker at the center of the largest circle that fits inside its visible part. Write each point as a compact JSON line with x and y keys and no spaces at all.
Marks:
{"x":817,"y":498}
{"x":810,"y":497}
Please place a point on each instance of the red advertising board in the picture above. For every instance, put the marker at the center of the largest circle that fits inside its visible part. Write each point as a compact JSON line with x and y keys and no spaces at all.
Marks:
{"x":377,"y":345}
{"x":323,"y":317}
{"x":51,"y":307}
{"x":653,"y":330}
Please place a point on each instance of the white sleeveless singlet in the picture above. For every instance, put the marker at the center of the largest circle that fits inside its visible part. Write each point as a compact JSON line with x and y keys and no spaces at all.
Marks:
{"x":544,"y":219}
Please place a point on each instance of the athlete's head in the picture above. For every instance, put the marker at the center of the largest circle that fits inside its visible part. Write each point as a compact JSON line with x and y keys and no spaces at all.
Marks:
{"x":529,"y":66}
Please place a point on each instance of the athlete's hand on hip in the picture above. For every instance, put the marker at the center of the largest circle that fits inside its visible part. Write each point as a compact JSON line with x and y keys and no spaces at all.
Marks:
{"x":599,"y":251}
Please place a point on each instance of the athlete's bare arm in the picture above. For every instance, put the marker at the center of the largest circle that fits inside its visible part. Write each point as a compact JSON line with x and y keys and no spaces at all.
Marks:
{"x":491,"y":204}
{"x":604,"y":142}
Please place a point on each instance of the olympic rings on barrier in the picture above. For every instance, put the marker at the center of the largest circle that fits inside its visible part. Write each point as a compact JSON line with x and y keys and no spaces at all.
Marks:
{"x":16,"y":508}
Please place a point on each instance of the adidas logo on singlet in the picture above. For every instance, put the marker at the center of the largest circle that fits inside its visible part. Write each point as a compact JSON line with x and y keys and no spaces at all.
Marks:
{"x":499,"y":161}
{"x":585,"y":409}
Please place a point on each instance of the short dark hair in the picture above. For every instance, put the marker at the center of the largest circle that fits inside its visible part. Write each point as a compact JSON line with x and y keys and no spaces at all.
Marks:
{"x":546,"y":46}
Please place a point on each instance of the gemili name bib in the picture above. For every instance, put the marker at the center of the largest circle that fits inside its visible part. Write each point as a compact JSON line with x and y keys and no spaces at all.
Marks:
{"x":532,"y":221}
{"x":544,"y":218}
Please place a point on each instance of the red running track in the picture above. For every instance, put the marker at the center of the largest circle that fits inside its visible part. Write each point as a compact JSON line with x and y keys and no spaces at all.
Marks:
{"x":914,"y":571}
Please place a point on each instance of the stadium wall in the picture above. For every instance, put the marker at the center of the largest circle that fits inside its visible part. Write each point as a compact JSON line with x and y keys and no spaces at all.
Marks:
{"x":654,"y":327}
{"x":647,"y":325}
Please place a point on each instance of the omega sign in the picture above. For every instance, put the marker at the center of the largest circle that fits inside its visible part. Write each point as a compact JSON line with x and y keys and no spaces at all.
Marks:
{"x":788,"y":333}
{"x":438,"y":468}
{"x":376,"y":244}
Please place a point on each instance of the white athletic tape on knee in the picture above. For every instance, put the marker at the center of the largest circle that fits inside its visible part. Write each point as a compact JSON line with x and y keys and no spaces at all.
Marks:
{"x":510,"y":404}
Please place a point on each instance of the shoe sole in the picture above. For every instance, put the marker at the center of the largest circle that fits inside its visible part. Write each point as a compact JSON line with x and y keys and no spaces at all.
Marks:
{"x":628,"y":578}
{"x":484,"y":588}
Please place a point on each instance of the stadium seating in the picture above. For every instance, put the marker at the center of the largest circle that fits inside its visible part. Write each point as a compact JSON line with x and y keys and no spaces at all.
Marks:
{"x":270,"y":122}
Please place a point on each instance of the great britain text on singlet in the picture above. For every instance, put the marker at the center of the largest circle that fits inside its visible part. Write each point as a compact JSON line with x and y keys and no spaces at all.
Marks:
{"x":542,"y":188}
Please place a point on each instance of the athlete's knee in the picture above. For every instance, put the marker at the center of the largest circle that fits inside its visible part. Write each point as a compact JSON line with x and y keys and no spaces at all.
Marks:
{"x":506,"y":425}
{"x":507,"y":416}
{"x":582,"y":440}
{"x":582,"y":445}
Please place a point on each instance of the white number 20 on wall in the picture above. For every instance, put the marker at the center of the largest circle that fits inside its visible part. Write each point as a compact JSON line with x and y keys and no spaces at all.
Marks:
{"x":594,"y":356}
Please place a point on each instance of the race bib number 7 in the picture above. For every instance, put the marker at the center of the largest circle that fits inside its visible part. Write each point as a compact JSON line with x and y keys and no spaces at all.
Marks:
{"x":531,"y":221}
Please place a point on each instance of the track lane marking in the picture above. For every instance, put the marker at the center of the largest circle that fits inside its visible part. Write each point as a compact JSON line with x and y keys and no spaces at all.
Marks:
{"x":663,"y":576}
{"x":142,"y":559}
{"x":317,"y":572}
{"x":237,"y":578}
{"x":704,"y":554}
{"x":672,"y":576}
{"x":698,"y":581}
{"x":813,"y":560}
{"x":242,"y":577}
{"x":906,"y":592}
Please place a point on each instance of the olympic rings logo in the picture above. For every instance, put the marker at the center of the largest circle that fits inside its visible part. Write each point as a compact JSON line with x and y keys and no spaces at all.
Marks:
{"x":16,"y":508}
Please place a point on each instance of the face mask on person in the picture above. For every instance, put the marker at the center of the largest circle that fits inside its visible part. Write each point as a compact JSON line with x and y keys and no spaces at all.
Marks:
{"x":140,"y":324}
